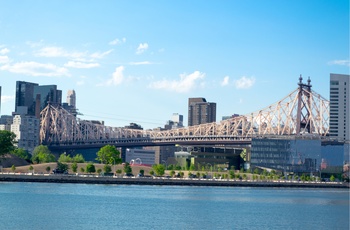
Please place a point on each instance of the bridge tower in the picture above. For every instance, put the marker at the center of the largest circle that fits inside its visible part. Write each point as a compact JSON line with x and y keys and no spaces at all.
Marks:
{"x":304,"y":106}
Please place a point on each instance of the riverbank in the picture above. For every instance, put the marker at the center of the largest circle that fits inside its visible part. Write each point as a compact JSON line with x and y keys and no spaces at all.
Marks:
{"x":90,"y":179}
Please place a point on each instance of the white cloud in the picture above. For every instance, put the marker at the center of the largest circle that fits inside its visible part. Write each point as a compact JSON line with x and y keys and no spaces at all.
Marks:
{"x":36,"y":69}
{"x":185,"y":84}
{"x":225,"y":81}
{"x":339,"y":62}
{"x":141,"y":63}
{"x":117,"y":77}
{"x":142,"y":48}
{"x":5,"y":99}
{"x":117,"y":41}
{"x":100,"y":55}
{"x":81,"y":65}
{"x":4,"y":59}
{"x":4,"y":51}
{"x":244,"y":82}
{"x":53,"y":51}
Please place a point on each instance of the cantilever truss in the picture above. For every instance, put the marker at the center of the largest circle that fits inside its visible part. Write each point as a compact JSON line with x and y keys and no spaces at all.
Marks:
{"x":302,"y":111}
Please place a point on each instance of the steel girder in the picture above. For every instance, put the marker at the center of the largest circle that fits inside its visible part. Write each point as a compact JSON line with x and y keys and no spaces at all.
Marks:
{"x":301,"y":111}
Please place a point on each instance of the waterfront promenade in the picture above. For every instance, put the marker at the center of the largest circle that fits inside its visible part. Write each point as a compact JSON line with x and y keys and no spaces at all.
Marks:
{"x":93,"y":179}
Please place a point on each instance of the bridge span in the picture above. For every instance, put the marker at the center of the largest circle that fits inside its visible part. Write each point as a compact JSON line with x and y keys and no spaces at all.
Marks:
{"x":303,"y":111}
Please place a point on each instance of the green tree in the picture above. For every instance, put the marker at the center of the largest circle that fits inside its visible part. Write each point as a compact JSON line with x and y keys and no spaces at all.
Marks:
{"x":90,"y":168}
{"x":159,"y":169}
{"x":243,"y":155}
{"x":21,"y":153}
{"x":31,"y":168}
{"x":256,"y":171}
{"x":119,"y":171}
{"x":82,"y":170}
{"x":62,"y":166}
{"x":42,"y":154}
{"x":48,"y":168}
{"x":107,"y":168}
{"x":7,"y":141}
{"x":192,"y":167}
{"x":13,"y":168}
{"x":74,"y":167}
{"x":108,"y":154}
{"x":127,"y":168}
{"x":78,"y":158}
{"x":64,"y":158}
{"x":99,"y":171}
{"x":172,"y":173}
{"x":142,"y":172}
{"x":332,"y":178}
{"x":182,"y":174}
{"x":151,"y":172}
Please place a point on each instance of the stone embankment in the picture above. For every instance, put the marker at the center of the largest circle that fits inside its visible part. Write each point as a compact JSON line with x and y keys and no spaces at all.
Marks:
{"x":89,"y":179}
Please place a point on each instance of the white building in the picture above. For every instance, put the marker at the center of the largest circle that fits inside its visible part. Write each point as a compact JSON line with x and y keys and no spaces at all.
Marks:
{"x":339,"y":106}
{"x":140,"y":156}
{"x":26,"y":129}
{"x":71,"y":98}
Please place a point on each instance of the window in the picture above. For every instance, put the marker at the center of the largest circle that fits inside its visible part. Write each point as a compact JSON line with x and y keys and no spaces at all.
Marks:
{"x":334,"y":82}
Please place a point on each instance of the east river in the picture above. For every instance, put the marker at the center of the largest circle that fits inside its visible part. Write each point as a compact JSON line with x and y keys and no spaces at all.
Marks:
{"x":86,"y":206}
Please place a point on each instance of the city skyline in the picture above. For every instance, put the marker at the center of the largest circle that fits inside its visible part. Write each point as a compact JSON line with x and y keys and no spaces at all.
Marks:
{"x":140,"y":61}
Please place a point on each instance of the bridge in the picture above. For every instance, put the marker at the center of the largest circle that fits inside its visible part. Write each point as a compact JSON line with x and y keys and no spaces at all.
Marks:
{"x":303,"y":111}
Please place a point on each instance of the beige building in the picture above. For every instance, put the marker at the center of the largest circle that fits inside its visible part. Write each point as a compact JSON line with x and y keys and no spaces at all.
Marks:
{"x":27,"y":130}
{"x":340,"y":107}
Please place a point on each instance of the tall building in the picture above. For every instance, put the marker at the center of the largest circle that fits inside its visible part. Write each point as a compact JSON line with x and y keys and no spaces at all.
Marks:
{"x":25,"y":103}
{"x":31,"y":98}
{"x":339,"y":125}
{"x":71,"y":100}
{"x":26,"y":129}
{"x":200,"y":111}
{"x":0,"y":100}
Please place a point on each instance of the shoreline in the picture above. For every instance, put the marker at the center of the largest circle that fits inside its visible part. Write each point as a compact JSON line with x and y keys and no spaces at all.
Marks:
{"x":87,"y":179}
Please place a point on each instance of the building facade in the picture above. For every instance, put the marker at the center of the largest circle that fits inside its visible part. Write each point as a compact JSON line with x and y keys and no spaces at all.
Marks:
{"x":200,"y":111}
{"x":298,"y":154}
{"x":31,"y":98}
{"x":71,"y":98}
{"x":140,"y":156}
{"x":26,"y":129}
{"x":339,"y":126}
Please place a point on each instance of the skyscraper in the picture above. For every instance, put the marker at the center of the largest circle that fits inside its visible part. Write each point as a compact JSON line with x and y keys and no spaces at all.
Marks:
{"x":200,"y":111}
{"x":71,"y":100}
{"x":32,"y":98}
{"x":339,"y":106}
{"x":0,"y":100}
{"x":25,"y":102}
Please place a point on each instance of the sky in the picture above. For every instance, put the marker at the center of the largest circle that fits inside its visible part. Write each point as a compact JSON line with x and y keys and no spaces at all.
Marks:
{"x":140,"y":61}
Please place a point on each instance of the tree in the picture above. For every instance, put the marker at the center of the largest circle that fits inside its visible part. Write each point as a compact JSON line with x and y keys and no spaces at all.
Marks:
{"x":31,"y":168}
{"x":48,"y":168}
{"x":142,"y":172}
{"x":62,"y":167}
{"x":159,"y":169}
{"x":21,"y":153}
{"x":172,"y":173}
{"x":332,"y":178}
{"x":107,"y":168}
{"x":244,"y":155}
{"x":118,"y":171}
{"x":74,"y":167}
{"x":151,"y":172}
{"x":99,"y":171}
{"x":82,"y":170}
{"x":90,"y":168}
{"x":64,"y":158}
{"x":42,"y":154}
{"x":13,"y":168}
{"x":7,"y":141}
{"x":256,"y":171}
{"x":108,"y":154}
{"x":78,"y":158}
{"x":127,"y":168}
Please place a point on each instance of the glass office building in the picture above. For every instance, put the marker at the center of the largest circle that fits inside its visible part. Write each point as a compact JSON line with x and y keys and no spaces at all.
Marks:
{"x":299,"y":155}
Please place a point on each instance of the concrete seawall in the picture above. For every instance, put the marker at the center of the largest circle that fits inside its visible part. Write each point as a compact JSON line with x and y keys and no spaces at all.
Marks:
{"x":163,"y":181}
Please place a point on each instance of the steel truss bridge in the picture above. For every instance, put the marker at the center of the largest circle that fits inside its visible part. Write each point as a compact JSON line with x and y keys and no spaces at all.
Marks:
{"x":303,"y":111}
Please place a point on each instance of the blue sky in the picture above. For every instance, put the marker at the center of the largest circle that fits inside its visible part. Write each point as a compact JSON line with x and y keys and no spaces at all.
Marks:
{"x":140,"y":61}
